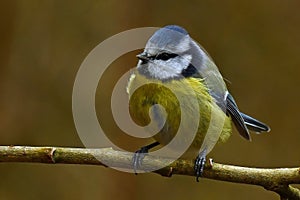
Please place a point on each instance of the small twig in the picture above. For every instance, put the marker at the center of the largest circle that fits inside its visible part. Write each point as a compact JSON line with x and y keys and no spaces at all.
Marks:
{"x":277,"y":180}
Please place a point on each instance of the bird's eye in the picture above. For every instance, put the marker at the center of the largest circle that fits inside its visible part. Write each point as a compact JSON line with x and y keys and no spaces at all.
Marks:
{"x":165,"y":56}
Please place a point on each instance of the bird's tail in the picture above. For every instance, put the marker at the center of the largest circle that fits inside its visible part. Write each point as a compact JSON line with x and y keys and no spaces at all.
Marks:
{"x":255,"y":125}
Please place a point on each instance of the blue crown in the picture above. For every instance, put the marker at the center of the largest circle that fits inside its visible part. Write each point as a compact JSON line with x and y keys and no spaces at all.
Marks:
{"x":176,"y":28}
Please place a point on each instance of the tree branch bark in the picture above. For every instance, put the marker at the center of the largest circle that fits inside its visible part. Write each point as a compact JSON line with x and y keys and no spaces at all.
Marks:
{"x":277,"y":179}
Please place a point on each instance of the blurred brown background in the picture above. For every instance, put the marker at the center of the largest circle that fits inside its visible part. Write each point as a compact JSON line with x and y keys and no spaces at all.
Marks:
{"x":255,"y":44}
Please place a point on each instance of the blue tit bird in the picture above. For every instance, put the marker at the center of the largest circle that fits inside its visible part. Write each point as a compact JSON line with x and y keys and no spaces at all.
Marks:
{"x":174,"y":61}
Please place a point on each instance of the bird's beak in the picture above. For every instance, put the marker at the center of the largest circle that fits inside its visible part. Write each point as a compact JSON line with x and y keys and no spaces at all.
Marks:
{"x":142,"y":56}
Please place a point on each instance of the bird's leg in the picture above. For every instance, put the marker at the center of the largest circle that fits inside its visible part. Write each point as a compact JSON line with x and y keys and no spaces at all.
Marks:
{"x":140,"y":154}
{"x":199,"y":164}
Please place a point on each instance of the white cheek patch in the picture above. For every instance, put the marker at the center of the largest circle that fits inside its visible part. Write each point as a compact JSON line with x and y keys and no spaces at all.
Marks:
{"x":171,"y":68}
{"x":182,"y":62}
{"x":158,"y":70}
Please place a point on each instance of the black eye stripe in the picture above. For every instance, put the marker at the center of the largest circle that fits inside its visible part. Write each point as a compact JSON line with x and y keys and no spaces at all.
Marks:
{"x":165,"y":56}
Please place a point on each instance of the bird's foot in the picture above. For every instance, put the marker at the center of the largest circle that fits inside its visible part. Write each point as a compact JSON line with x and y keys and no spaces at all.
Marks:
{"x":138,"y":157}
{"x":199,"y":164}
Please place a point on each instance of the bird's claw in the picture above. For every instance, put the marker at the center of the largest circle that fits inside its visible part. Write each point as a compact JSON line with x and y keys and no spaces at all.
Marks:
{"x":199,"y":167}
{"x":138,"y":158}
{"x":199,"y":164}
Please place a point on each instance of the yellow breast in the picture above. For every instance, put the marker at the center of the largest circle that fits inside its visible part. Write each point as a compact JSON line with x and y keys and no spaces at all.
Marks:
{"x":153,"y":92}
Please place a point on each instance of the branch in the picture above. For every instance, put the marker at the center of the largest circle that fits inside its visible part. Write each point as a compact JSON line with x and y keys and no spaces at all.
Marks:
{"x":277,"y":180}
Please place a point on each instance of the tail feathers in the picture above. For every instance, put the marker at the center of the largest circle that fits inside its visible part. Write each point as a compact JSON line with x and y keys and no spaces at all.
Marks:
{"x":242,"y":121}
{"x":237,"y":118}
{"x":255,"y":125}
